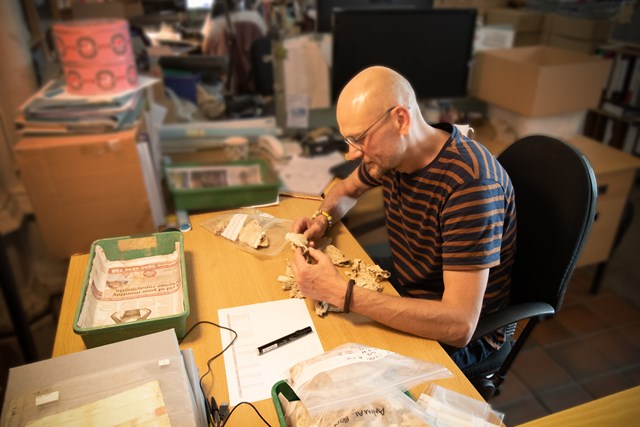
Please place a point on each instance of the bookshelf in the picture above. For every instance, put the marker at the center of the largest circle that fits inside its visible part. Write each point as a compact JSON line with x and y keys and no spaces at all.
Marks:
{"x":616,"y":121}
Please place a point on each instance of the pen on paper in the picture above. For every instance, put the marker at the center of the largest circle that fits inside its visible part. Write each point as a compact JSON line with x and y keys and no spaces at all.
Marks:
{"x":284,"y":340}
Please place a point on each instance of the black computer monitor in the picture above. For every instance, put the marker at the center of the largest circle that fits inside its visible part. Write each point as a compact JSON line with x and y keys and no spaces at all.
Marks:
{"x":431,"y":48}
{"x":326,"y":8}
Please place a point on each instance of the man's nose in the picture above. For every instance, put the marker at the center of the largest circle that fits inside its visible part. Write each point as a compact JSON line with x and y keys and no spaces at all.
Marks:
{"x":353,"y":154}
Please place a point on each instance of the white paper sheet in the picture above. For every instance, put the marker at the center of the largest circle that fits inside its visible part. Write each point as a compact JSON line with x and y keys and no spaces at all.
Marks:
{"x":250,"y":376}
{"x":309,"y":175}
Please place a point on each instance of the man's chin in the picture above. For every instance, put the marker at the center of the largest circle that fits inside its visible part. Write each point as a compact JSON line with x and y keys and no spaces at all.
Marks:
{"x":376,"y":171}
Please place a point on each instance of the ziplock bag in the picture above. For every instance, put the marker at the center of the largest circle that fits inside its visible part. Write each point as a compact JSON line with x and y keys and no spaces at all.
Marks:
{"x":353,"y":375}
{"x":251,"y":230}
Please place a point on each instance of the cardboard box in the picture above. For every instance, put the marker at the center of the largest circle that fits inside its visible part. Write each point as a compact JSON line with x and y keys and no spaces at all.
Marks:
{"x":577,"y":28}
{"x":587,"y":47}
{"x":83,"y":188}
{"x":482,"y":6}
{"x":112,"y":9}
{"x":561,"y":126}
{"x":527,"y":39}
{"x":522,"y":20}
{"x":538,"y":81}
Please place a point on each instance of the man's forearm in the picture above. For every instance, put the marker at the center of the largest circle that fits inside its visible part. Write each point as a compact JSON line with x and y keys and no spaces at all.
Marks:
{"x":342,"y":197}
{"x":424,"y":318}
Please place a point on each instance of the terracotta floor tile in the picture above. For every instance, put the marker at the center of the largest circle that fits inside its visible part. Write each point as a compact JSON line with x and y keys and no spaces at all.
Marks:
{"x":538,"y":371}
{"x":606,"y":385}
{"x":513,"y":389}
{"x":613,"y":309}
{"x":580,"y":321}
{"x":631,"y":333}
{"x":615,"y":348}
{"x":580,"y":360}
{"x":523,"y":411}
{"x":549,"y":332}
{"x":564,"y":397}
{"x":633,"y":374}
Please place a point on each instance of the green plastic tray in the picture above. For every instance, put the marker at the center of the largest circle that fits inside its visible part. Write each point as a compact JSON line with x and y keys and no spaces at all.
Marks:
{"x":225,"y":197}
{"x":282,"y":388}
{"x":125,"y":248}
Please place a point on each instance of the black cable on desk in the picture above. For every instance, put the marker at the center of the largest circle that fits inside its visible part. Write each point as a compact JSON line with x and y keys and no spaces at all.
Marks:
{"x":210,"y":410}
{"x":211,"y":405}
{"x":245,"y":403}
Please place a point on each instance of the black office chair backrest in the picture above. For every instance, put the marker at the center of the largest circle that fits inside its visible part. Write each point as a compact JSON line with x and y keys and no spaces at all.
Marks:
{"x":555,"y":206}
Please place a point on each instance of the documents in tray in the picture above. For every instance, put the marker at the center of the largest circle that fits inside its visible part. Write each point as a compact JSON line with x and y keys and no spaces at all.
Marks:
{"x":136,"y":289}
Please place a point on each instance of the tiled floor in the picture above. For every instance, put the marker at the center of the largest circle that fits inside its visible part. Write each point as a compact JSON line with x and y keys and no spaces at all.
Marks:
{"x":589,"y":350}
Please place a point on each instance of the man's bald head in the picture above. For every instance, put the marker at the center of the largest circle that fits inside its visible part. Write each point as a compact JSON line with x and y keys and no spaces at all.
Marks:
{"x":372,"y":91}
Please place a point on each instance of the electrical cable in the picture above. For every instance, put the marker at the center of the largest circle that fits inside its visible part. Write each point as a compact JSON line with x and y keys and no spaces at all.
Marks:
{"x":245,"y":403}
{"x":213,"y":412}
{"x":210,"y":411}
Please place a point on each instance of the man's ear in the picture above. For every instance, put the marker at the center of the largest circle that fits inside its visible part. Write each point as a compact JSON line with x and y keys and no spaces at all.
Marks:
{"x":402,"y":120}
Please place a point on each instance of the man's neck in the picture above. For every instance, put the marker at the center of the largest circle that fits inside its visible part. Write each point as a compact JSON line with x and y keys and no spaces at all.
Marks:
{"x":429,"y":142}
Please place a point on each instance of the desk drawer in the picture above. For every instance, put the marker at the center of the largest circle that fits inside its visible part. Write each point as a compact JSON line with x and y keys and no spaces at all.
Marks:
{"x":614,"y":185}
{"x":603,"y":232}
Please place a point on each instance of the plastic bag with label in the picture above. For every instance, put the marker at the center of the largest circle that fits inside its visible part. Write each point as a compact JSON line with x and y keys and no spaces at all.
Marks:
{"x":353,"y":375}
{"x":251,"y":230}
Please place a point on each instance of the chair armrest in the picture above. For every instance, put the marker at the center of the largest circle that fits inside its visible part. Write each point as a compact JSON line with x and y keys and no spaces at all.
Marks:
{"x":511,"y":314}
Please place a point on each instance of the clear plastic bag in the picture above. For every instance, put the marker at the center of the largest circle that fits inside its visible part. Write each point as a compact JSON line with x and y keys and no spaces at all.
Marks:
{"x":395,"y":409}
{"x":353,"y":375}
{"x":251,"y":230}
{"x":447,"y":408}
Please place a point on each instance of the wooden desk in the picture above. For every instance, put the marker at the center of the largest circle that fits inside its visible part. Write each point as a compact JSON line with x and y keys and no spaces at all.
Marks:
{"x":619,"y":409}
{"x":221,"y":276}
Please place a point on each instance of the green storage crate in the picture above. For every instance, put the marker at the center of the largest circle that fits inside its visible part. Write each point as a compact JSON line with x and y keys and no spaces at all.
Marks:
{"x":186,"y":197}
{"x":127,"y":248}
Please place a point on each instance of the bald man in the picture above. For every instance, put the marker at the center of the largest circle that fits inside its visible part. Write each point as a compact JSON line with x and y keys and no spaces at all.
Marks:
{"x":450,"y":210}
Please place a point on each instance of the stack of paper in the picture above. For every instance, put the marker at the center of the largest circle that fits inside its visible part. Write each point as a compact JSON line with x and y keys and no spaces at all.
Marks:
{"x":52,"y":110}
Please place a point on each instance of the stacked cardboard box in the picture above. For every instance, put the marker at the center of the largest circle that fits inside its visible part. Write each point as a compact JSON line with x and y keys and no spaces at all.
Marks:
{"x":110,"y":9}
{"x":539,"y":89}
{"x":84,"y":187}
{"x":527,"y":24}
{"x":482,"y":6}
{"x":579,"y":34}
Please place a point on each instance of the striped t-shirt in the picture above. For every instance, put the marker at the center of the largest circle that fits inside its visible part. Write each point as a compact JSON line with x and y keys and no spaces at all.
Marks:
{"x":457,"y":213}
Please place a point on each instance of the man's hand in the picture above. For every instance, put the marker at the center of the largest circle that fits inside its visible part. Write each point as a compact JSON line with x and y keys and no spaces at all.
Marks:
{"x":320,"y":281}
{"x":311,"y":228}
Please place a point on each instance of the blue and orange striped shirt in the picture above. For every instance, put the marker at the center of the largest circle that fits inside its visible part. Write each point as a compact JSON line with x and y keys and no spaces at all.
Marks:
{"x":457,"y":213}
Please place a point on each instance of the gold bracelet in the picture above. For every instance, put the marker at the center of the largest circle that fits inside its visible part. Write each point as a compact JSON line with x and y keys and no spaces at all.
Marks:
{"x":326,"y":214}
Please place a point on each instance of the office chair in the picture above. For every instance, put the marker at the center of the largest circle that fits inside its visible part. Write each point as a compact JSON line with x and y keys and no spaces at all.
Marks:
{"x":556,"y":192}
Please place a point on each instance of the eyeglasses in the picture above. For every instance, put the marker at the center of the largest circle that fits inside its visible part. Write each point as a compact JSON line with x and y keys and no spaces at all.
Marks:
{"x":357,"y":141}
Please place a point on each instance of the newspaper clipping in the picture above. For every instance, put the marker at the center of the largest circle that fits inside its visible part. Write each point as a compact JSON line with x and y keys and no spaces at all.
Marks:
{"x":131,"y":290}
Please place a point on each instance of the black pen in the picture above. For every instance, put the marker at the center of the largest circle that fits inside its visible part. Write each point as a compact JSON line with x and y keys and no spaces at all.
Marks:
{"x":284,"y":340}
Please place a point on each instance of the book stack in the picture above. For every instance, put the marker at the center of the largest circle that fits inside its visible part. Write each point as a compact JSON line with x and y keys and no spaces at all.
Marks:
{"x":53,"y":111}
